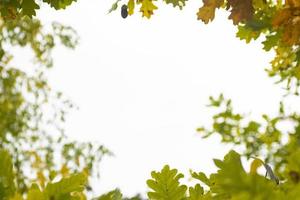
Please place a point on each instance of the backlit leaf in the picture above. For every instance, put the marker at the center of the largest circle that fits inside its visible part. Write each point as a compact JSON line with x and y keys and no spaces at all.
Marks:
{"x":165,"y":185}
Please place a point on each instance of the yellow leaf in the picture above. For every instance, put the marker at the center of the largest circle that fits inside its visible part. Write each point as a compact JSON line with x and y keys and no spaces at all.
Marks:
{"x":147,"y":8}
{"x":130,"y":6}
{"x":256,"y":163}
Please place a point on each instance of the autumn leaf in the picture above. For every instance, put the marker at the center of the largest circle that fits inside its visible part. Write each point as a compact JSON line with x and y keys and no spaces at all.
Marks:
{"x":291,"y":34}
{"x":240,"y":10}
{"x":147,"y":8}
{"x":288,"y":20}
{"x":281,"y":17}
{"x":207,"y":12}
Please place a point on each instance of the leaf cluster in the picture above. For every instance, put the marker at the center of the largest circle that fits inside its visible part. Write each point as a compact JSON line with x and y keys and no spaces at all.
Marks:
{"x":39,"y":149}
{"x":274,"y":138}
{"x":230,"y":181}
{"x":13,"y":9}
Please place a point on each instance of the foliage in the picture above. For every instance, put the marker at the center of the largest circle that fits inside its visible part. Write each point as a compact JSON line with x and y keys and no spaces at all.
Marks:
{"x":231,"y":181}
{"x":12,"y":9}
{"x":26,"y":95}
{"x":274,"y":138}
{"x":69,"y":188}
{"x":34,"y":138}
{"x":276,"y":23}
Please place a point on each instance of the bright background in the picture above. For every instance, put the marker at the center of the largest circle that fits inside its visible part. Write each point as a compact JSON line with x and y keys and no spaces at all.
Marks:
{"x":142,"y":86}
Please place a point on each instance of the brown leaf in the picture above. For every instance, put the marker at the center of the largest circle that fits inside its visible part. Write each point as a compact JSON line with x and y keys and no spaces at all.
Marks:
{"x":281,"y":17}
{"x":240,"y":10}
{"x":288,"y":19}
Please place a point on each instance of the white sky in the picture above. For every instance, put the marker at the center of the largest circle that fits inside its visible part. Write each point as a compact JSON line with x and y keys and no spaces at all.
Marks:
{"x":142,"y":86}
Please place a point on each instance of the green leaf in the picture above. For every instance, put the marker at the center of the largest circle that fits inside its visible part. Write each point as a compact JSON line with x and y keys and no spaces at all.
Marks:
{"x":165,"y":185}
{"x":247,"y":34}
{"x":29,"y":7}
{"x":257,"y":25}
{"x":64,"y":188}
{"x":271,"y":41}
{"x":232,"y":182}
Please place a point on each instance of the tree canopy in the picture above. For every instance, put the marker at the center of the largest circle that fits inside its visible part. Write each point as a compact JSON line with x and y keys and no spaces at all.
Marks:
{"x":32,"y":113}
{"x":277,"y":23}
